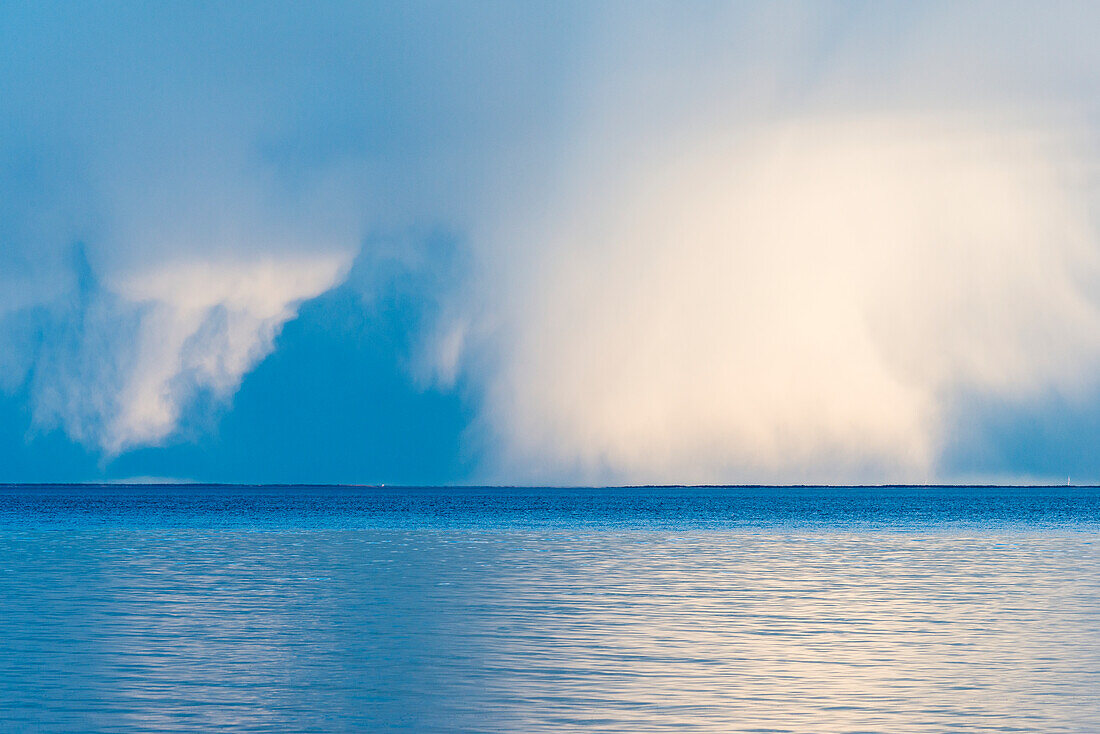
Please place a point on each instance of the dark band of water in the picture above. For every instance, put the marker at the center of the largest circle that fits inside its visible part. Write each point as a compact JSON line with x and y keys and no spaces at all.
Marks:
{"x":671,"y":507}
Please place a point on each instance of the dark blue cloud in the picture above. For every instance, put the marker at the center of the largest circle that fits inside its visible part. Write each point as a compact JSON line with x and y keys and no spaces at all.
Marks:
{"x":150,"y":136}
{"x":1048,"y":439}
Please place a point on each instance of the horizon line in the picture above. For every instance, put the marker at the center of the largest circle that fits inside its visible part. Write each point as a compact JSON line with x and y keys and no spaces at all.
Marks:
{"x":353,"y":485}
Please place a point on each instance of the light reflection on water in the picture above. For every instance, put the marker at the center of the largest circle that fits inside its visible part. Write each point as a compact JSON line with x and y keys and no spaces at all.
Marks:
{"x":126,"y":625}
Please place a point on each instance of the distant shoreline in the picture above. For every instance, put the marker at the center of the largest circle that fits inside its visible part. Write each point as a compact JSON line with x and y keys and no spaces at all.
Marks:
{"x":6,"y":485}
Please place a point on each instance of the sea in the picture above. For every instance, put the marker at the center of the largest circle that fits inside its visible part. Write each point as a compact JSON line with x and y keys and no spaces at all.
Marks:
{"x":200,"y":608}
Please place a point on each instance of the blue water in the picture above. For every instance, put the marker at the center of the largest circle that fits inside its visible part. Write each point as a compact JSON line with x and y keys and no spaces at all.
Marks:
{"x":506,"y":610}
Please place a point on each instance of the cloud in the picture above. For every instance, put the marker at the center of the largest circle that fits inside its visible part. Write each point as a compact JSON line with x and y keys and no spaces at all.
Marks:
{"x":774,"y":267}
{"x":214,"y":167}
{"x":797,"y":303}
{"x":117,"y":369}
{"x":203,"y":326}
{"x":706,"y":242}
{"x":183,"y":274}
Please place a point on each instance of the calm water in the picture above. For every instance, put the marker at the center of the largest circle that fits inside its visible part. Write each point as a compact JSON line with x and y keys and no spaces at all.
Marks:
{"x":633,"y":610}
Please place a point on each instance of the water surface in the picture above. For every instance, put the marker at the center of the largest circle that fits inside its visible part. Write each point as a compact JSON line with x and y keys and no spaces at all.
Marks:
{"x":535,"y":610}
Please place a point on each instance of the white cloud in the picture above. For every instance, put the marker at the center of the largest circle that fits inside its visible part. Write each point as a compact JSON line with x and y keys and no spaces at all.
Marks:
{"x":131,"y":360}
{"x":778,"y":244}
{"x":204,"y":325}
{"x":797,"y":301}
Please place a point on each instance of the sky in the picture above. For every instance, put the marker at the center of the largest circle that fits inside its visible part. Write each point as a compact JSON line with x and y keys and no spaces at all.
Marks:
{"x":549,"y":243}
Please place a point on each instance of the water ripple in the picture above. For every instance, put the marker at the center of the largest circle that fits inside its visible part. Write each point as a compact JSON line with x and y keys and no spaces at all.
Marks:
{"x":259,"y":610}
